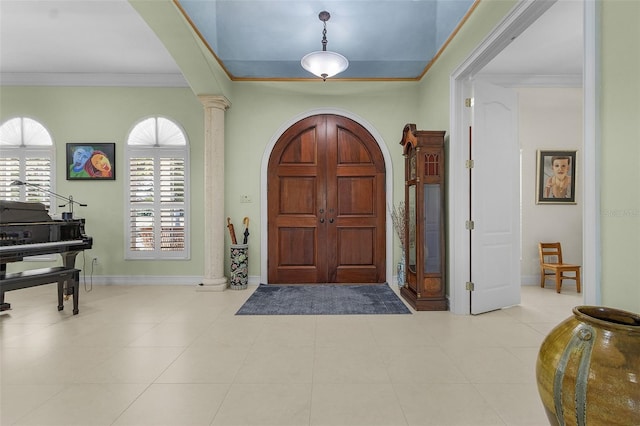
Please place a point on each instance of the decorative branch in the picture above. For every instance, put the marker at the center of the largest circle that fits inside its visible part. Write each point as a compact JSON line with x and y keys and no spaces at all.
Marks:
{"x":399,"y":219}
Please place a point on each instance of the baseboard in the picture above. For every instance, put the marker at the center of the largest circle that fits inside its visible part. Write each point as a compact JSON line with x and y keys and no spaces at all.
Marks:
{"x":530,"y":279}
{"x":196,"y":280}
{"x":149,"y":280}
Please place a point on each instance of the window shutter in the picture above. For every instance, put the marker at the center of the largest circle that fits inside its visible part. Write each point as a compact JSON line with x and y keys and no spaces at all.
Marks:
{"x":141,"y":199}
{"x":27,"y":155}
{"x":142,"y":235}
{"x":172,"y":180}
{"x":172,"y":172}
{"x":38,"y":172}
{"x":172,"y":229}
{"x":157,"y":204}
{"x":9,"y":171}
{"x":141,"y":181}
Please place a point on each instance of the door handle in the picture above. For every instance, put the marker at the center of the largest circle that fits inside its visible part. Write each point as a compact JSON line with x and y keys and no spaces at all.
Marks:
{"x":322,"y":220}
{"x":331,"y":220}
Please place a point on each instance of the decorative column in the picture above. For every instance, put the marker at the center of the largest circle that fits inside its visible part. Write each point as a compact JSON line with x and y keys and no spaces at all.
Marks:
{"x":214,"y":221}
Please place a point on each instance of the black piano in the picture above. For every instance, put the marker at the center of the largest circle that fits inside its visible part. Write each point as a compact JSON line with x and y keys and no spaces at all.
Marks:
{"x":26,"y":229}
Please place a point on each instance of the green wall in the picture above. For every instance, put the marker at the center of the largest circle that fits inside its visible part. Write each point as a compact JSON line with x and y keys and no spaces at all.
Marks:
{"x":91,"y":114}
{"x":620,"y":153}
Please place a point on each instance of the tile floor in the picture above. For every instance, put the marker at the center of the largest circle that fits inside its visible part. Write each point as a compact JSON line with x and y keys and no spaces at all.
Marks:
{"x":171,"y":355}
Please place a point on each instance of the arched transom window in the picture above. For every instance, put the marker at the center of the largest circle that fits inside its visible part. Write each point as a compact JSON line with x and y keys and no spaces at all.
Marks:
{"x":26,"y":155}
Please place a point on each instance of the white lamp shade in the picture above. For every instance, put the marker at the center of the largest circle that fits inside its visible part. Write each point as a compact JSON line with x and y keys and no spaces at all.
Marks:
{"x":324,"y":63}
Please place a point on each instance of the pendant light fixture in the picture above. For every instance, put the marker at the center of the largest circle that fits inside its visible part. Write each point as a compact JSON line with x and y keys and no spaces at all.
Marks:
{"x":324,"y":63}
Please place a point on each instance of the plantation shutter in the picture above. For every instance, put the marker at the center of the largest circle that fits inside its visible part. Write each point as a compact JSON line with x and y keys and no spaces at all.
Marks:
{"x":157,"y":205}
{"x":38,"y":172}
{"x":172,"y":196}
{"x":9,"y":172}
{"x":141,"y":200}
{"x":26,"y":154}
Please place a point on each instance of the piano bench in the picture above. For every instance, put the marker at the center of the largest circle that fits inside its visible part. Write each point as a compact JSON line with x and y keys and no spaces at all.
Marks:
{"x":35,"y":277}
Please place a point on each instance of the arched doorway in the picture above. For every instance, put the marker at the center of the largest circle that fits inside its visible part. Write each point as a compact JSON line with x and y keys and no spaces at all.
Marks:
{"x":326,"y":199}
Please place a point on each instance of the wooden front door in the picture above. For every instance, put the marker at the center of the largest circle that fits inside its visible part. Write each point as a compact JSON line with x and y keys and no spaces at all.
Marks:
{"x":326,"y":204}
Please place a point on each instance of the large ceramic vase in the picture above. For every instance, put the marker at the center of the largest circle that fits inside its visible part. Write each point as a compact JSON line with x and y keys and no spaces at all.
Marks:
{"x":588,"y":369}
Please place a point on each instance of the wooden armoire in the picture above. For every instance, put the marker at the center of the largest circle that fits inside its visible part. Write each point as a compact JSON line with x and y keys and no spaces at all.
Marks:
{"x":423,"y":151}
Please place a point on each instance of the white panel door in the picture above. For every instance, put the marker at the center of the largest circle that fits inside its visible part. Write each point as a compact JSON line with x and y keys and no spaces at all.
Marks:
{"x":495,"y":199}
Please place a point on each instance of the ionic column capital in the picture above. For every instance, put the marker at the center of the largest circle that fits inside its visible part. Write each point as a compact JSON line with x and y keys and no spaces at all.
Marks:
{"x":214,"y":101}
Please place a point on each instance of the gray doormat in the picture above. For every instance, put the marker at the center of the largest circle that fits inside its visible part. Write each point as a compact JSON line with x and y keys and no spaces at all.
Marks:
{"x":323,"y":299}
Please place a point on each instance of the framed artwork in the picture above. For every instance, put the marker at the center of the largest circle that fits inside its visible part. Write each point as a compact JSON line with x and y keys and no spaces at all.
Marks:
{"x":91,"y":161}
{"x":556,"y":182}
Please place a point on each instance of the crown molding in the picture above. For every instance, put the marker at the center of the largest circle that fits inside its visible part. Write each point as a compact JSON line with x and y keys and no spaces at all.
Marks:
{"x":93,"y":80}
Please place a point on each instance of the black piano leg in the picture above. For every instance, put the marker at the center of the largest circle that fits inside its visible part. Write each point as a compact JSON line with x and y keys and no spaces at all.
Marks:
{"x":76,"y":292}
{"x":60,"y":294}
{"x":3,"y":306}
{"x":68,"y":261}
{"x":69,"y":286}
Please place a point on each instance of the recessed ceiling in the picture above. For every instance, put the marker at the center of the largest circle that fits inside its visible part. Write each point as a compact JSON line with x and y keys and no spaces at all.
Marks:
{"x":253,"y":39}
{"x":106,"y":42}
{"x":259,"y":39}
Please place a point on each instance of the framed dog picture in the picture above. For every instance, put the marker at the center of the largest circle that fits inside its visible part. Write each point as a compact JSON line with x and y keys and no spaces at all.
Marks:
{"x":91,"y":161}
{"x":556,"y":177}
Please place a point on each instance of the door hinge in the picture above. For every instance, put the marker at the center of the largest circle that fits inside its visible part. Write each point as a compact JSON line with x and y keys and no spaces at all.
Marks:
{"x":469,"y":164}
{"x":468,"y":102}
{"x":469,"y":286}
{"x":469,"y":225}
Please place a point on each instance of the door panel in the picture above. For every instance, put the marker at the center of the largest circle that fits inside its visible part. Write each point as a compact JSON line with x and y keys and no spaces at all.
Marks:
{"x":302,"y":150}
{"x":304,"y":203}
{"x":495,"y":193}
{"x":326,"y":202}
{"x":348,"y":189}
{"x":296,"y":237}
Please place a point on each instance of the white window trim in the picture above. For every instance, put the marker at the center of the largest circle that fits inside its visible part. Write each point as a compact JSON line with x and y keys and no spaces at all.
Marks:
{"x":29,"y":151}
{"x":35,"y":151}
{"x":157,"y":152}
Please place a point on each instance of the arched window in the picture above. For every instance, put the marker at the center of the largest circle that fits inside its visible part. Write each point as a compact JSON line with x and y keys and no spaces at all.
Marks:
{"x":27,"y":155}
{"x":157,"y":196}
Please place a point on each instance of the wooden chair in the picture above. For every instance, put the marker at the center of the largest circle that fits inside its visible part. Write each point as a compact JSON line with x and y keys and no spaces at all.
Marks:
{"x":551,"y":260}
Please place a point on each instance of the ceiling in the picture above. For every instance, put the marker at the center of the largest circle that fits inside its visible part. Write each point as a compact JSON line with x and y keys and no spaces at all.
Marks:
{"x":553,"y":45}
{"x":106,"y":42}
{"x":381,"y":39}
